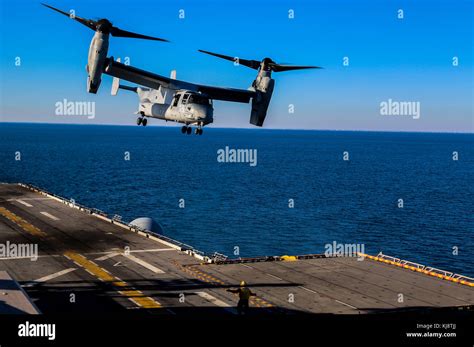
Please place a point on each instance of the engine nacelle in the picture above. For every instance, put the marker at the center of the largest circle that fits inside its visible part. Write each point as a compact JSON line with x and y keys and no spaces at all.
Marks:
{"x":96,"y":59}
{"x":261,"y":101}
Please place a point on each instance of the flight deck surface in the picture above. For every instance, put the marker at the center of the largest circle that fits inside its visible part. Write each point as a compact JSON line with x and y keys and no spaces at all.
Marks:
{"x":89,"y":263}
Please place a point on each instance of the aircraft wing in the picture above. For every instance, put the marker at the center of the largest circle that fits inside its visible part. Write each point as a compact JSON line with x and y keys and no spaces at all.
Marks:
{"x":151,"y":80}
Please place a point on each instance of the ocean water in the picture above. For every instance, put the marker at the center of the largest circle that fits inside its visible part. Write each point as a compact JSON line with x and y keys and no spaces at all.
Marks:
{"x":234,"y":206}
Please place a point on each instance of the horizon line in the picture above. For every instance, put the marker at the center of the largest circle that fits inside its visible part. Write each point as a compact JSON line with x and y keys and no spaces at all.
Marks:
{"x":256,"y":128}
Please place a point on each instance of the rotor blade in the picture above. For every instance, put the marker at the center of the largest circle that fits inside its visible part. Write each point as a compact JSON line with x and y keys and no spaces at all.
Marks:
{"x":123,"y":33}
{"x":253,"y":64}
{"x":281,"y":68}
{"x":87,"y":22}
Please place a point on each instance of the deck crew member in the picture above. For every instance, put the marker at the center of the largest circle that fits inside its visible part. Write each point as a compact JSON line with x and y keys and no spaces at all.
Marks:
{"x":244,"y":296}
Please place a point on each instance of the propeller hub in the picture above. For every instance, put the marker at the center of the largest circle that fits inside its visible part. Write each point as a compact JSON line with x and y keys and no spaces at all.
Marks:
{"x":104,"y":26}
{"x":266,"y":64}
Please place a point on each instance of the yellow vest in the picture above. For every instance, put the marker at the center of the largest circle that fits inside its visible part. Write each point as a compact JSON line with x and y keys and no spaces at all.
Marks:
{"x":244,"y":293}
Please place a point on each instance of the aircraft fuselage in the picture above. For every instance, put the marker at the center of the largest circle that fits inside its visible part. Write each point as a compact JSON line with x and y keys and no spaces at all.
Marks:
{"x":181,"y":106}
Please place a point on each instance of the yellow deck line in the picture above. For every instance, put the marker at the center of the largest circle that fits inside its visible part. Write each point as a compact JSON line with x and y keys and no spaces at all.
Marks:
{"x":28,"y":227}
{"x":211,"y":279}
{"x":414,"y":268}
{"x":134,"y":295}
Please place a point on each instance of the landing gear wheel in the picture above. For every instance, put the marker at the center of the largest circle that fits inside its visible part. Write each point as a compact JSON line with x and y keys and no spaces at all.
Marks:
{"x":144,"y":121}
{"x":196,"y":131}
{"x":183,"y":129}
{"x":139,"y":120}
{"x":200,"y":131}
{"x":189,"y":130}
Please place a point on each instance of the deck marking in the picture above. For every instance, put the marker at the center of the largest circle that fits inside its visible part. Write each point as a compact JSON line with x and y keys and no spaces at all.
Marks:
{"x":276,"y":277}
{"x":39,"y":256}
{"x":24,"y":203}
{"x":29,"y":228}
{"x":49,"y":277}
{"x":266,"y":273}
{"x":144,"y":264}
{"x":217,"y":302}
{"x":15,"y":258}
{"x":215,"y":281}
{"x":30,"y":199}
{"x":107,"y":256}
{"x":117,"y":251}
{"x":134,"y":295}
{"x":49,"y":215}
{"x":309,"y":290}
{"x":152,"y":250}
{"x":422,"y":269}
{"x":343,"y":303}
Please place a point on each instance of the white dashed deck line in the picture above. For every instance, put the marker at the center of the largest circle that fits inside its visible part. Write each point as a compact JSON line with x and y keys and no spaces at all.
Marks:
{"x":152,"y":250}
{"x":50,"y":277}
{"x":107,"y":256}
{"x":24,"y":203}
{"x":30,"y":199}
{"x":144,"y":264}
{"x":343,"y":303}
{"x":217,"y":302}
{"x":49,"y":215}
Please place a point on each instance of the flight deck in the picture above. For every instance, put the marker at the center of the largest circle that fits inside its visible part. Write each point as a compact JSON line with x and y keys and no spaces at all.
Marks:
{"x":91,"y":263}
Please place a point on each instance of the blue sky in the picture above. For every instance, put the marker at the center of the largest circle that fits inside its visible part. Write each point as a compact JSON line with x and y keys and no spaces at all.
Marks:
{"x":389,"y":58}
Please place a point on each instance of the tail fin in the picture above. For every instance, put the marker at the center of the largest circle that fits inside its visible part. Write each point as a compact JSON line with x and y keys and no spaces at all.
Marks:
{"x":115,"y":83}
{"x":173,"y":74}
{"x":115,"y":86}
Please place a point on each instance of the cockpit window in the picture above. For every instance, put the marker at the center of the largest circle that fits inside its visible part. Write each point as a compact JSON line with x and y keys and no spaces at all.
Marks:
{"x":185,"y":98}
{"x":198,"y":99}
{"x":176,"y":99}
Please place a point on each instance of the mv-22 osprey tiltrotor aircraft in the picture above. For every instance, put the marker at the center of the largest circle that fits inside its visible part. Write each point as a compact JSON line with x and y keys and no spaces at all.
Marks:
{"x":168,"y":98}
